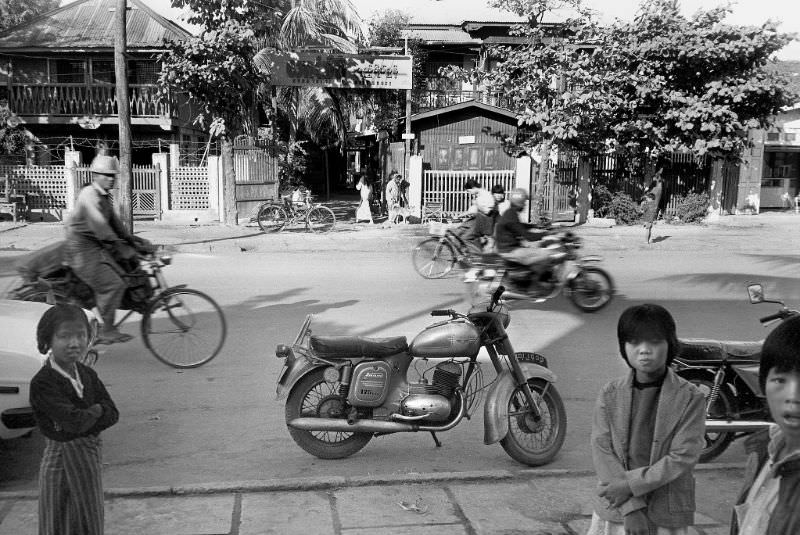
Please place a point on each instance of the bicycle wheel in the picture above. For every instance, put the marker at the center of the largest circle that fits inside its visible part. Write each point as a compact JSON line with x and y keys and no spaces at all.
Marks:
{"x":271,"y":218}
{"x":183,"y":328}
{"x":320,"y":219}
{"x":433,"y":258}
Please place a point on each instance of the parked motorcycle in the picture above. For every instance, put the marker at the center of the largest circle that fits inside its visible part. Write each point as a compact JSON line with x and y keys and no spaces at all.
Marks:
{"x":727,"y":373}
{"x":344,"y":390}
{"x":588,"y":286}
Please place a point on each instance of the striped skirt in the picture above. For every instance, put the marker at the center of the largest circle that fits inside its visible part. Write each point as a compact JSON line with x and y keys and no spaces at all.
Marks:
{"x":71,"y":488}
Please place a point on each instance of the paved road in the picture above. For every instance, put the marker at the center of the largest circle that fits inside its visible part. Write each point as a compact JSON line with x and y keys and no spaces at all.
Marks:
{"x":221,"y":422}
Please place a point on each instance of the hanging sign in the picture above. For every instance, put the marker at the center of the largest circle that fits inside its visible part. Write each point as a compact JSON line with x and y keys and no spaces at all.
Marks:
{"x":362,"y":71}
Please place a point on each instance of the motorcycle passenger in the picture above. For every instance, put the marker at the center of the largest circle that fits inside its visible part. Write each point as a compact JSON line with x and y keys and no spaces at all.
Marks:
{"x":519,"y":242}
{"x":94,"y":234}
{"x":479,"y":230}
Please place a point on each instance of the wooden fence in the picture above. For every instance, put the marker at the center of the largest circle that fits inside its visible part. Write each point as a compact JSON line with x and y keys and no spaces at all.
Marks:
{"x":447,"y":187}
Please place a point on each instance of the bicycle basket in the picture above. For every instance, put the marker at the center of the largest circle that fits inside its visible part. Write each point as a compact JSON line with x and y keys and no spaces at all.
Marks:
{"x":138,"y":293}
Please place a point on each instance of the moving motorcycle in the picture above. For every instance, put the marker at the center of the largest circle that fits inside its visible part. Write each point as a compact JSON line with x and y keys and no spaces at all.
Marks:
{"x":588,"y":286}
{"x":727,"y":373}
{"x":344,"y":390}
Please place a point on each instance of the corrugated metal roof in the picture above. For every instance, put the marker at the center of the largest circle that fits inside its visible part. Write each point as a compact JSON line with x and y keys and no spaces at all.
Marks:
{"x":440,"y":34}
{"x":89,"y":24}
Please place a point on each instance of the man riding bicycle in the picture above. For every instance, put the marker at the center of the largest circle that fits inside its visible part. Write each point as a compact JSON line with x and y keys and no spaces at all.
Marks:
{"x":94,"y":235}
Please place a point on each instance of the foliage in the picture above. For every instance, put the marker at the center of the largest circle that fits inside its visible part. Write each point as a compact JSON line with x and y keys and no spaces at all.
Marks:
{"x":618,"y":206}
{"x":13,"y":138}
{"x":659,"y":83}
{"x":293,"y":163}
{"x":14,"y":12}
{"x":692,"y":208}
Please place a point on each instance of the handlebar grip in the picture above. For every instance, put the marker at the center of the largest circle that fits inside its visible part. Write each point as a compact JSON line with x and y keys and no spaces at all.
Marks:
{"x":771,"y":317}
{"x":442,"y":312}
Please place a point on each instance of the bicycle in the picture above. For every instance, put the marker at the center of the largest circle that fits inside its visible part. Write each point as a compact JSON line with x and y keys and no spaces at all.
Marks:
{"x":182,"y":327}
{"x":435,"y":257}
{"x":272,"y":217}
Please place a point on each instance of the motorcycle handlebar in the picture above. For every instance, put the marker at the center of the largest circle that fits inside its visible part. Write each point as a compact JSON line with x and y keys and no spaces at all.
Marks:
{"x":442,"y":312}
{"x":772,"y":317}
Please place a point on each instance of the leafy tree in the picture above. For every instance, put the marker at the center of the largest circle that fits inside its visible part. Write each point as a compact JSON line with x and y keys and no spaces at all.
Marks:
{"x":660,"y":83}
{"x":14,"y":12}
{"x":13,"y":138}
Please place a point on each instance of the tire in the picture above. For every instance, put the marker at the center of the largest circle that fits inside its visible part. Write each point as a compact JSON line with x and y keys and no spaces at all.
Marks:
{"x":183,"y":328}
{"x":714,"y":443}
{"x":271,"y":218}
{"x":45,"y":296}
{"x":530,"y":443}
{"x":320,"y":219}
{"x":304,"y":401}
{"x":592,"y":289}
{"x":433,"y":258}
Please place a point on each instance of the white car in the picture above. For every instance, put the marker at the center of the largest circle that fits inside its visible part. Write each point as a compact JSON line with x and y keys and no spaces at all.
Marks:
{"x":19,"y":362}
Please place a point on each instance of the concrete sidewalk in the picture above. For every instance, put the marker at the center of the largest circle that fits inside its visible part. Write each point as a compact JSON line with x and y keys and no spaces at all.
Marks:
{"x":530,"y":501}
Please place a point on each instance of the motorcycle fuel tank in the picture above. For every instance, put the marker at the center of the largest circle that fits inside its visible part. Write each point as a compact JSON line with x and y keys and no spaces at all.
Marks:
{"x":447,"y":340}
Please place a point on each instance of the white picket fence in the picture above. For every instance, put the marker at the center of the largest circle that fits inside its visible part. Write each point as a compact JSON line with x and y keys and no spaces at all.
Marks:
{"x":447,"y":187}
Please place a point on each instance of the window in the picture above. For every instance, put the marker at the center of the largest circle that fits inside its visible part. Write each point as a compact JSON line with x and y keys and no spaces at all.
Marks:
{"x":68,"y":71}
{"x":142,"y":72}
{"x":103,"y":71}
{"x":29,"y":71}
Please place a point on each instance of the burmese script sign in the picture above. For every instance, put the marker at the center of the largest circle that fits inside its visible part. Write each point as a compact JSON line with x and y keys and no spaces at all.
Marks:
{"x":363,"y":71}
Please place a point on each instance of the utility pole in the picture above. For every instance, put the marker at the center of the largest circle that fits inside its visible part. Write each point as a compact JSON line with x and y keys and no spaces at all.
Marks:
{"x":407,"y":160}
{"x":124,"y":185}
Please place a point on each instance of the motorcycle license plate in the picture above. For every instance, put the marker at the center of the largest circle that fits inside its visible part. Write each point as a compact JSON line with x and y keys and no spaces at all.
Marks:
{"x":534,"y":358}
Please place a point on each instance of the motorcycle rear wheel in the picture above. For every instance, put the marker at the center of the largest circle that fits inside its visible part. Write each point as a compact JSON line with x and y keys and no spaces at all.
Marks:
{"x":592,"y":289}
{"x":714,"y":443}
{"x":531,"y":443}
{"x":309,"y":399}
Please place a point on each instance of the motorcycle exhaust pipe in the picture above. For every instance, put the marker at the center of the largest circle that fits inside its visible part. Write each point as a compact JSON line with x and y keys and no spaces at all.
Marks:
{"x":727,"y":426}
{"x":361,"y":426}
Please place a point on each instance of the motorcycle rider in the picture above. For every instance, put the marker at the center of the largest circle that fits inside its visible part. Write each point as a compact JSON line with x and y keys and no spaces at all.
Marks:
{"x":479,"y":230}
{"x":94,"y":235}
{"x":519,"y":242}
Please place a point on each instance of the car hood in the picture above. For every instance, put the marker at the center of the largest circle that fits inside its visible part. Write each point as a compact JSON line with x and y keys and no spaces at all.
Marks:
{"x":19,"y":320}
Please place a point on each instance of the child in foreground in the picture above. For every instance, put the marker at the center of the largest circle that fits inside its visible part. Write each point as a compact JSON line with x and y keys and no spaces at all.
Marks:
{"x":647,"y":434}
{"x":72,"y":407}
{"x":769,"y":503}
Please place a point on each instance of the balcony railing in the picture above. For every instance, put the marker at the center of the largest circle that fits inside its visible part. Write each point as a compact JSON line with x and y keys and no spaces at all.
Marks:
{"x":81,"y":99}
{"x":434,"y":98}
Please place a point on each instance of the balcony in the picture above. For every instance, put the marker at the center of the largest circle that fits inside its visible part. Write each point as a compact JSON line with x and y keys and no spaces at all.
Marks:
{"x":63,"y":103}
{"x":436,"y":98}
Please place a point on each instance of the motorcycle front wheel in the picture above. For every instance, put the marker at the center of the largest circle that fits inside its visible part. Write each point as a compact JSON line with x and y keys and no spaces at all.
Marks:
{"x":530,"y":442}
{"x":314,"y":397}
{"x":714,"y":443}
{"x":592,"y":289}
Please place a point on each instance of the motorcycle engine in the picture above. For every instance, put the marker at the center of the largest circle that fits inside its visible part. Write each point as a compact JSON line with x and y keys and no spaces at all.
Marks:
{"x":433,"y":402}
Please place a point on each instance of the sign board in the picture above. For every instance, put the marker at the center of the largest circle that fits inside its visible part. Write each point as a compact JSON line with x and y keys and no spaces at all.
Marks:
{"x":408,"y":136}
{"x":361,"y":71}
{"x":464,"y":140}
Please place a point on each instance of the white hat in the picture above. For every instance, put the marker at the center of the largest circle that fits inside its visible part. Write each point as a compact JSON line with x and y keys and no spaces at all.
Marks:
{"x":104,"y":165}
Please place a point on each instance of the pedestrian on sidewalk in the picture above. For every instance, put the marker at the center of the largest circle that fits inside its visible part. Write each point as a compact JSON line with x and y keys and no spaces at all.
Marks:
{"x":72,"y":407}
{"x":652,"y":200}
{"x":364,"y":211}
{"x":769,"y":503}
{"x":647,"y":434}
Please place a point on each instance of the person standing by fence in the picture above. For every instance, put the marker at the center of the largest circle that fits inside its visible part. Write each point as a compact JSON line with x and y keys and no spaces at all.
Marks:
{"x":653,"y":200}
{"x":364,"y":211}
{"x":72,"y":407}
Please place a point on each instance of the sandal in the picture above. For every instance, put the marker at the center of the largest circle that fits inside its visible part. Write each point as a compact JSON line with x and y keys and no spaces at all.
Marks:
{"x":113,"y":338}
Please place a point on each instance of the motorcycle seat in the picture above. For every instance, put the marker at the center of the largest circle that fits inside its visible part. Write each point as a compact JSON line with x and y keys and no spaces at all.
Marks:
{"x":703,"y":349}
{"x":357,"y":346}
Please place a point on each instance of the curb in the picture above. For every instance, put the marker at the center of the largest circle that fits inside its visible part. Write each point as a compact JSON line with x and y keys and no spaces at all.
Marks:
{"x":323,"y":483}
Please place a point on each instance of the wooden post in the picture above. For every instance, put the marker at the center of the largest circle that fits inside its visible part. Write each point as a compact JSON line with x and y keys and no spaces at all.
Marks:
{"x":584,"y":197}
{"x":124,"y":182}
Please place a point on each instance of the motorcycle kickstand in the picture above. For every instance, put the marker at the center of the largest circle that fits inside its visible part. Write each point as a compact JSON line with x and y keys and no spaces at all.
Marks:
{"x":436,"y":439}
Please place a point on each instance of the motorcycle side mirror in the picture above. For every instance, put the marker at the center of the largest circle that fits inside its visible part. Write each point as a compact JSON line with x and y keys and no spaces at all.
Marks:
{"x":756,"y":293}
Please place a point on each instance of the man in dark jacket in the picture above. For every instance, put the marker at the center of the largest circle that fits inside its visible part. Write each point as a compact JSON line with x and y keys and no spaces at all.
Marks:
{"x":513,"y":238}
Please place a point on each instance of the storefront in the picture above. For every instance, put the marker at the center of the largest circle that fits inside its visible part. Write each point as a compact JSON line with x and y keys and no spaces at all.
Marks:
{"x":780,"y":179}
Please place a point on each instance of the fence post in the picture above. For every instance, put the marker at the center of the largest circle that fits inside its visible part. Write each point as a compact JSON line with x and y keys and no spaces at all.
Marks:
{"x":522,"y":179}
{"x":162,"y":160}
{"x":583,"y":195}
{"x":174,"y":155}
{"x":214,"y":190}
{"x":72,"y":159}
{"x":415,"y":186}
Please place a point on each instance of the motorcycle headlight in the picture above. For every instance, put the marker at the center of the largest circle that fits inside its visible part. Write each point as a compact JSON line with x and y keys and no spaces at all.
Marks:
{"x":488,"y":274}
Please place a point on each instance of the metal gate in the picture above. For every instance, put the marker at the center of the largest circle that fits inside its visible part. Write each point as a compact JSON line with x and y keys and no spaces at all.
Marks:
{"x":257,"y":175}
{"x":447,"y":187}
{"x":145,"y":190}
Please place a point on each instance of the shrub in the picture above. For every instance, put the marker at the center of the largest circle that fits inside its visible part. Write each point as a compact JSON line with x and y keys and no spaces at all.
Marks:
{"x":623,"y":209}
{"x":601,"y":201}
{"x":692,"y":208}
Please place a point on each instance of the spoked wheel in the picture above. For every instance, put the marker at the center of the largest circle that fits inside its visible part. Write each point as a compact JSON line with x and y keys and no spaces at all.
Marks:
{"x":50,"y":297}
{"x":592,"y":289}
{"x":530,"y":442}
{"x":184,"y":328}
{"x":271,"y":218}
{"x":714,"y":443}
{"x":433,"y":258}
{"x":320,"y":219}
{"x":314,"y":397}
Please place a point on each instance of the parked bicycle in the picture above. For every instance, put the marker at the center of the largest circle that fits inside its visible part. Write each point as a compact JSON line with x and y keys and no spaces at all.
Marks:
{"x":435,"y":257}
{"x":274,"y":217}
{"x":182,"y":327}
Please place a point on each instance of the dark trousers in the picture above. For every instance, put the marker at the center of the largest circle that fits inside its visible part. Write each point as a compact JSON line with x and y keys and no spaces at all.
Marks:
{"x":94,"y":266}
